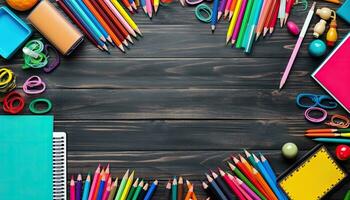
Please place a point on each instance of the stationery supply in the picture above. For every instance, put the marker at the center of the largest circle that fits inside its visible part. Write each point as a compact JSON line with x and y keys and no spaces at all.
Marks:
{"x":54,"y":27}
{"x":333,"y":73}
{"x":13,"y":103}
{"x":34,"y":85}
{"x":59,"y":146}
{"x":343,"y":11}
{"x":14,"y":32}
{"x":315,"y":119}
{"x":317,"y":171}
{"x":21,"y":5}
{"x":298,"y":44}
{"x":339,"y":121}
{"x":28,"y":144}
{"x":342,"y":152}
{"x":7,"y":80}
{"x":316,"y":101}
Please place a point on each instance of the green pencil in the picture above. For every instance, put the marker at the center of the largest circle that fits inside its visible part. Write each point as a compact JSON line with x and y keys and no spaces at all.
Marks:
{"x":138,"y":190}
{"x":245,"y":180}
{"x":174,"y":190}
{"x":122,"y":186}
{"x":133,"y":189}
{"x":244,"y":24}
{"x":250,"y":158}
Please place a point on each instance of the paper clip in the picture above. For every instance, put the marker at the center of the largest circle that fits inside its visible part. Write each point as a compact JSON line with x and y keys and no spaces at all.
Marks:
{"x":314,"y":119}
{"x":339,"y":121}
{"x":34,"y":85}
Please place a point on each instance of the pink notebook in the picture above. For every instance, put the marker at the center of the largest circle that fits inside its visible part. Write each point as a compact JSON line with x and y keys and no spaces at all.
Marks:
{"x":334,"y":73}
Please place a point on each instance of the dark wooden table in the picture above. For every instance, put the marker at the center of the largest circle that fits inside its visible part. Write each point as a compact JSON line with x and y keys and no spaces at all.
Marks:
{"x":180,"y":102}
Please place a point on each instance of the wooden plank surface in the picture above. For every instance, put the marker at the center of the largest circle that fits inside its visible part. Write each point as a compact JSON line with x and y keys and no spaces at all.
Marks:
{"x":180,"y":102}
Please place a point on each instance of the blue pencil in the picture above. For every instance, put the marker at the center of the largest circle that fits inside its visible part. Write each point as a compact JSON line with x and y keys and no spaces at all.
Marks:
{"x":79,"y":11}
{"x":332,"y":140}
{"x":214,"y":16}
{"x":151,"y":190}
{"x":143,"y":5}
{"x":94,"y":20}
{"x":88,"y":28}
{"x":268,"y":179}
{"x":86,"y":188}
{"x":252,"y":23}
{"x":101,"y":188}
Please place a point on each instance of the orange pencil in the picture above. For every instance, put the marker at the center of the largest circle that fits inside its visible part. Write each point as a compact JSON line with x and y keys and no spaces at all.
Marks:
{"x":128,"y":5}
{"x":98,"y":184}
{"x":232,"y":8}
{"x":269,"y":17}
{"x":264,"y":184}
{"x":107,"y":173}
{"x":263,"y":17}
{"x":189,"y":193}
{"x":95,"y":12}
{"x":189,"y":185}
{"x":274,"y":17}
{"x":245,"y":162}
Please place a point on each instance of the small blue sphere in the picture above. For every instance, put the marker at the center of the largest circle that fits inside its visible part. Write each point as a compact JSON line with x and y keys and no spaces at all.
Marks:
{"x":317,"y":48}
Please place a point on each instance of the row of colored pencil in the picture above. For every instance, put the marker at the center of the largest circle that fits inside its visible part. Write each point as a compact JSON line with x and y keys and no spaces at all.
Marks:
{"x":252,"y":180}
{"x":249,"y":19}
{"x":176,"y":190}
{"x":329,"y":135}
{"x":102,"y":187}
{"x":102,"y":21}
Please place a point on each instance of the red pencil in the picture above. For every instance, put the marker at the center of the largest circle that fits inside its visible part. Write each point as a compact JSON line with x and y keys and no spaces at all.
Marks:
{"x":72,"y":189}
{"x":128,"y":5}
{"x":269,"y":17}
{"x":288,"y":9}
{"x":274,"y":17}
{"x":232,"y":186}
{"x":108,"y":174}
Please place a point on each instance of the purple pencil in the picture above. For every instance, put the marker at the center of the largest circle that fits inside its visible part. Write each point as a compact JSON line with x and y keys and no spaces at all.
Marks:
{"x":247,"y":189}
{"x":221,"y":8}
{"x":78,"y":187}
{"x":239,"y":21}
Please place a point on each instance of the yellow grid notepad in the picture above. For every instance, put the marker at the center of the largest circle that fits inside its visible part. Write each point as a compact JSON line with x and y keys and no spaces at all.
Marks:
{"x":314,"y":177}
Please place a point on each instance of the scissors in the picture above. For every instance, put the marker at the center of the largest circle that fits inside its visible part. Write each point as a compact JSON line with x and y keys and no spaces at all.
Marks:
{"x":317,"y":101}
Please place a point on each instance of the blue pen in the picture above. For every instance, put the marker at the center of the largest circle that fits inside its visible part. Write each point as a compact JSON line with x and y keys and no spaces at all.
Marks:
{"x":93,"y":19}
{"x":268,"y":179}
{"x":86,"y":188}
{"x":214,"y":16}
{"x":86,"y":19}
{"x":101,"y":188}
{"x":96,"y":37}
{"x":332,"y":140}
{"x":151,"y":190}
{"x":253,"y":21}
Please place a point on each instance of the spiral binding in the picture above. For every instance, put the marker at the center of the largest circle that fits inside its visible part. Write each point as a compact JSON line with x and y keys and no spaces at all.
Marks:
{"x":59,"y":166}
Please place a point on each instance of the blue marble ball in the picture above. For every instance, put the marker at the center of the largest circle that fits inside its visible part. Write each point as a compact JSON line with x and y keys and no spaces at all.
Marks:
{"x":317,"y":48}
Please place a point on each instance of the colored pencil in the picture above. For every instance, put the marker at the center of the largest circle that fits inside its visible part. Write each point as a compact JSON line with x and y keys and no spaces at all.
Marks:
{"x":127,"y":5}
{"x":250,"y":32}
{"x":214,"y":16}
{"x":113,"y":189}
{"x":86,"y":188}
{"x":144,"y":6}
{"x":94,"y":182}
{"x":282,"y":12}
{"x":122,"y":185}
{"x":239,"y":22}
{"x":227,"y":8}
{"x":218,"y":192}
{"x":101,"y":187}
{"x":263,"y":17}
{"x":78,"y":187}
{"x":233,"y":21}
{"x":94,"y":20}
{"x":274,"y":17}
{"x":209,"y":190}
{"x":289,"y":6}
{"x":221,"y":10}
{"x":268,"y":179}
{"x":180,"y":188}
{"x":182,"y":2}
{"x":106,"y":23}
{"x":327,"y":130}
{"x":156,"y":6}
{"x":297,"y":45}
{"x":189,"y":193}
{"x":246,"y":180}
{"x":244,"y":23}
{"x":133,"y":189}
{"x":108,"y":189}
{"x":133,"y":4}
{"x":332,"y":140}
{"x":149,"y":8}
{"x":138,"y":190}
{"x":263,"y":183}
{"x":98,"y":184}
{"x":174,"y":189}
{"x":85,"y":30}
{"x":231,"y":186}
{"x":245,"y":162}
{"x":223,"y":186}
{"x":127,"y":187}
{"x":189,"y":184}
{"x":108,"y":175}
{"x":245,"y":195}
{"x":126,"y":16}
{"x":269,"y":17}
{"x":250,"y":158}
{"x":77,"y":8}
{"x":116,"y":23}
{"x":168,"y":189}
{"x":72,"y":189}
{"x":247,"y":189}
{"x":327,"y":134}
{"x":151,"y":190}
{"x":143,"y":192}
{"x":232,"y":9}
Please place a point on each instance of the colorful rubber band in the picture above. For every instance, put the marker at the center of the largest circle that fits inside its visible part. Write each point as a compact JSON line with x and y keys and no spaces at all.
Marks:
{"x":7,"y":80}
{"x":13,"y":103}
{"x":34,"y":85}
{"x":339,"y":121}
{"x":203,"y":8}
{"x":314,"y":119}
{"x":51,"y":66}
{"x":33,"y":106}
{"x":33,"y":55}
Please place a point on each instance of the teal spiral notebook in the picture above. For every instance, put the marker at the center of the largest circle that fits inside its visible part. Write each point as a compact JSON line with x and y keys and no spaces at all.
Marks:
{"x":26,"y":157}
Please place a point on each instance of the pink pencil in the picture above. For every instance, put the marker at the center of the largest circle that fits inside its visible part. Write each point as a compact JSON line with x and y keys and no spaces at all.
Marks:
{"x":149,"y":8}
{"x":94,"y":182}
{"x":247,"y":189}
{"x":120,"y":17}
{"x":108,"y":189}
{"x":233,"y":187}
{"x":227,"y":8}
{"x":244,"y":194}
{"x":72,"y":189}
{"x":108,"y":174}
{"x":239,"y":22}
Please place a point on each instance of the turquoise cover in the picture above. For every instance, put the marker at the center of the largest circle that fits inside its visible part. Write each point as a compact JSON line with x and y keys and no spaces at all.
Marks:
{"x":26,"y":157}
{"x":343,"y":11}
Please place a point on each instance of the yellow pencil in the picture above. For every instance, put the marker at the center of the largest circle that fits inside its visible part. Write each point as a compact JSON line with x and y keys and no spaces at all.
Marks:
{"x":127,"y":187}
{"x":126,"y":16}
{"x":233,"y":21}
{"x":156,"y":5}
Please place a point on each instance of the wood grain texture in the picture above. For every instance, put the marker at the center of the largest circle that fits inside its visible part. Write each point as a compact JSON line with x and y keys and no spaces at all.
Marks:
{"x":180,"y":102}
